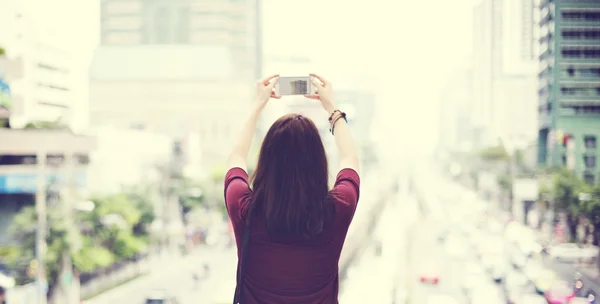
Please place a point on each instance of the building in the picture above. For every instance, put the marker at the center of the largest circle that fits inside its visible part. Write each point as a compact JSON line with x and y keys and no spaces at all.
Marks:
{"x":569,"y":93}
{"x":36,"y":163}
{"x":48,"y":88}
{"x":504,"y":67}
{"x":136,"y":165}
{"x":456,"y":122}
{"x":187,"y":22}
{"x":187,"y":89}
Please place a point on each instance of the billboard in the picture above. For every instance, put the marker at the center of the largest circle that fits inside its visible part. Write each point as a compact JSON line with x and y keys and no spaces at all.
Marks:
{"x":5,"y":97}
{"x":27,"y":183}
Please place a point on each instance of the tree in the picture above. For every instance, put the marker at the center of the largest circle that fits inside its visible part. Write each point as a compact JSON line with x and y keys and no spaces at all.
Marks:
{"x":495,"y":154}
{"x":565,"y":191}
{"x":60,"y":240}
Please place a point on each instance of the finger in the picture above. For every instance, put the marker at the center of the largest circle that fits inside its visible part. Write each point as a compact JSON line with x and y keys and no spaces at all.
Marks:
{"x":274,"y":95}
{"x":271,"y":84}
{"x":266,"y":80}
{"x":317,"y":84}
{"x":318,"y":77}
{"x":315,"y":97}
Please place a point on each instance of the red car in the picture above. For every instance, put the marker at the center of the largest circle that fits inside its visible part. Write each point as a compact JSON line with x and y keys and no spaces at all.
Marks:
{"x":429,"y":274}
{"x":559,"y":293}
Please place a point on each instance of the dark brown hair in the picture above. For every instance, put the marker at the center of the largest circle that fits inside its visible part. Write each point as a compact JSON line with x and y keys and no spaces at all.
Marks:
{"x":290,"y":184}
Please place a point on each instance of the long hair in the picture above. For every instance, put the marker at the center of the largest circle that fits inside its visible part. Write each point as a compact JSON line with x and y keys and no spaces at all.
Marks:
{"x":290,"y":184}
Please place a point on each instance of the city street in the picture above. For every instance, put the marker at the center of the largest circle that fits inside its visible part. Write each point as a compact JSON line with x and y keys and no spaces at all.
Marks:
{"x":175,"y":277}
{"x":379,"y":274}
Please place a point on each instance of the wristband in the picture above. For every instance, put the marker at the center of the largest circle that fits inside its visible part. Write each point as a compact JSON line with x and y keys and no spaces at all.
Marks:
{"x":332,"y":114}
{"x":342,"y":115}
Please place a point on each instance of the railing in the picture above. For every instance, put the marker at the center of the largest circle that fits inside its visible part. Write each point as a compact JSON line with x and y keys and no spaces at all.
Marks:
{"x":95,"y":283}
{"x":362,"y":232}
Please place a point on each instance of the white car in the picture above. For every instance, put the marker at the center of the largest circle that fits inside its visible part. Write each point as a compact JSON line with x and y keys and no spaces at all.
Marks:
{"x":488,"y":294}
{"x":532,"y":299}
{"x":568,"y":252}
{"x":441,"y":299}
{"x":456,"y":247}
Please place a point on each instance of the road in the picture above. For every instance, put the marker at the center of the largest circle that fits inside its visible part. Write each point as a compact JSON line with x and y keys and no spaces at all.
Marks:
{"x":430,"y":256}
{"x":380,"y":277}
{"x":175,"y":276}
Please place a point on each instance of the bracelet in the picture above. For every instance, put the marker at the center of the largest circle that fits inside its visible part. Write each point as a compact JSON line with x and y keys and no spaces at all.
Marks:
{"x":342,"y":115}
{"x":333,"y":113}
{"x":334,"y":117}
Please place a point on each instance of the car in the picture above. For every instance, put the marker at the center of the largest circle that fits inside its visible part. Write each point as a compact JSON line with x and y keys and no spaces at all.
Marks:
{"x":560,"y":292}
{"x":486,"y":293}
{"x":441,"y":299}
{"x":545,"y":280}
{"x":515,"y":294}
{"x":499,"y":271}
{"x":578,"y":300}
{"x":568,"y":252}
{"x":429,"y":273}
{"x":473,"y":282}
{"x":456,"y":247}
{"x":533,"y":270}
{"x":531,"y":299}
{"x":160,"y":297}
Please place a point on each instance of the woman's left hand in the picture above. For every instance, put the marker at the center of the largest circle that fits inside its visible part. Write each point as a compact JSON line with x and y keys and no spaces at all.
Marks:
{"x":264,"y":90}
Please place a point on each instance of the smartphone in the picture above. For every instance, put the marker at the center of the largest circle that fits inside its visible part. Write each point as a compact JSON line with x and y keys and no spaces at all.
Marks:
{"x":294,"y":86}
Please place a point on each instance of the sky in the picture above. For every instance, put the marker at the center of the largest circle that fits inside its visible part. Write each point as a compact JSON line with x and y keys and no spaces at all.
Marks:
{"x":405,"y":49}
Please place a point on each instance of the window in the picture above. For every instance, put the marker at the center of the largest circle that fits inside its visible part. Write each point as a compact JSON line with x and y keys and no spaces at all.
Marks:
{"x":589,"y":141}
{"x":589,"y":178}
{"x":161,"y":26}
{"x":183,"y":25}
{"x":590,"y":162}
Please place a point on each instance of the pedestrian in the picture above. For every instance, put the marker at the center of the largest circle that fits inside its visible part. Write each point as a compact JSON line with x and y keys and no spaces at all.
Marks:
{"x":289,"y":227}
{"x":2,"y":295}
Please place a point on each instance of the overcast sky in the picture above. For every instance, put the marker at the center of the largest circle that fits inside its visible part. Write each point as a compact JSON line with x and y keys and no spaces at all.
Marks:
{"x":407,"y":49}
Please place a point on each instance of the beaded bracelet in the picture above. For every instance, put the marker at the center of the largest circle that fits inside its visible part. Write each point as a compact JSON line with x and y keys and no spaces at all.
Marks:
{"x":342,"y":115}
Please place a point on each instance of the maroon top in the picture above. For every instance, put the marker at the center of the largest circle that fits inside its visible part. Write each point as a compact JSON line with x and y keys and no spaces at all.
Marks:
{"x":293,"y":271}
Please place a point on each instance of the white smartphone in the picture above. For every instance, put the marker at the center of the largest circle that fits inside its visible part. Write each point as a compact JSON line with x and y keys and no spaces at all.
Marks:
{"x":294,"y":86}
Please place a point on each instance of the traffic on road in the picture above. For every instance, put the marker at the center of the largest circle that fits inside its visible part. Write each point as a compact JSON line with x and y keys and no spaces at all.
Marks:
{"x":464,"y":251}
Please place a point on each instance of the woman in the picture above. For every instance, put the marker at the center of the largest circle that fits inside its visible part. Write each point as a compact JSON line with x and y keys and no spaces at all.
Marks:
{"x":296,"y":226}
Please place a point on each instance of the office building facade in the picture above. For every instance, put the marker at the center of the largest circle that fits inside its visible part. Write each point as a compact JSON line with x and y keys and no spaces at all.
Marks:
{"x":504,"y":69}
{"x":187,"y":22}
{"x":569,"y":86}
{"x":46,"y":88}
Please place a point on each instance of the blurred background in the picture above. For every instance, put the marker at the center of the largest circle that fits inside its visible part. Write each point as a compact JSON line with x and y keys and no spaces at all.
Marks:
{"x":476,"y":122}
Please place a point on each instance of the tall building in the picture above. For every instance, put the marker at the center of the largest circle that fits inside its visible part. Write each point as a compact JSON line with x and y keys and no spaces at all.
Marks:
{"x":569,"y":93}
{"x":184,"y":89}
{"x":195,"y":22}
{"x":47,"y":88}
{"x":456,"y":122}
{"x":504,"y":68}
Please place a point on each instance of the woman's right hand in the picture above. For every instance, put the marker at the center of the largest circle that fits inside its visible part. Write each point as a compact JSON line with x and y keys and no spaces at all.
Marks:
{"x":324,"y":93}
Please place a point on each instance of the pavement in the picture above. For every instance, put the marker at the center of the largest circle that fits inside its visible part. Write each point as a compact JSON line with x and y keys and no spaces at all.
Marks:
{"x":175,"y":277}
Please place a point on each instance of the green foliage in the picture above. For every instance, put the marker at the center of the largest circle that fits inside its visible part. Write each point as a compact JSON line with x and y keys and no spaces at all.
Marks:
{"x":93,"y":257}
{"x":566,"y":189}
{"x":2,"y":51}
{"x":47,"y":125}
{"x":91,"y":243}
{"x":496,"y":153}
{"x":505,"y":182}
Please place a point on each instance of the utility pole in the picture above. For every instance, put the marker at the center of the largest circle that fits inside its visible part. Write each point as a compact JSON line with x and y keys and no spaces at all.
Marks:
{"x":66,"y":205}
{"x":40,"y":237}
